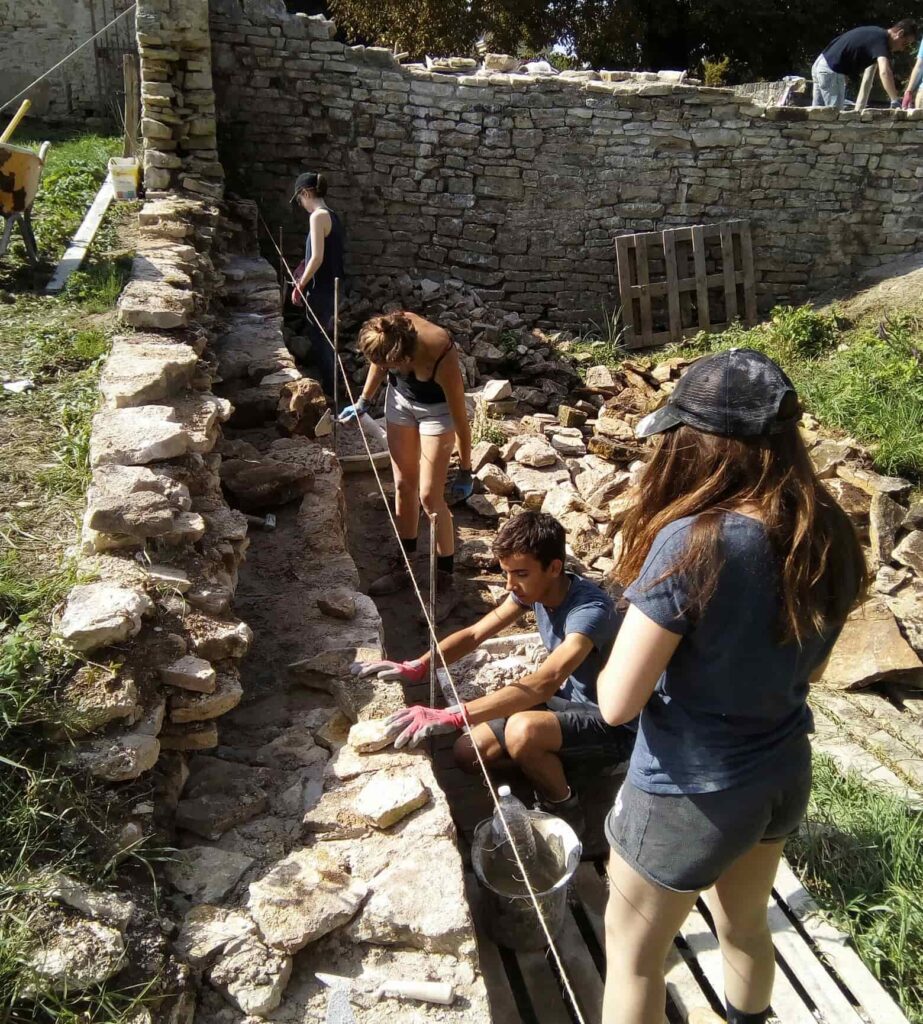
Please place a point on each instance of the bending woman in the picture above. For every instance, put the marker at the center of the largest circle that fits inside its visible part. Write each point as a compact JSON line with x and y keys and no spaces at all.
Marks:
{"x":315,"y":276}
{"x":742,"y":569}
{"x":425,"y":413}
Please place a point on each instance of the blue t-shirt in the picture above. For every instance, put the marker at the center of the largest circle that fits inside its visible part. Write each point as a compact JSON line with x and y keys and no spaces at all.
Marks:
{"x":732,"y":699}
{"x":586,"y":609}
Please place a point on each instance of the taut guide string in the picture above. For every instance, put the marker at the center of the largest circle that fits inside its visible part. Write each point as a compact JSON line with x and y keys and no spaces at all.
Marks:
{"x":434,"y":644}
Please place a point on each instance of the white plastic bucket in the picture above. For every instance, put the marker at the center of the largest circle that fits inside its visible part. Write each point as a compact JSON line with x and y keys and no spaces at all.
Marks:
{"x":125,"y":174}
{"x":511,"y":921}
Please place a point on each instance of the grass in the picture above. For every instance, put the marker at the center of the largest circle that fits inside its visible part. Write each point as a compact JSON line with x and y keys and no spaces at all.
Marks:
{"x":864,"y":380}
{"x":861,"y":855}
{"x":51,"y":817}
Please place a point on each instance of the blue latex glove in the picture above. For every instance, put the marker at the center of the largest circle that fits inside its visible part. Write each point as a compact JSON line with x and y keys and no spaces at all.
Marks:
{"x":353,"y":411}
{"x":462,"y":486}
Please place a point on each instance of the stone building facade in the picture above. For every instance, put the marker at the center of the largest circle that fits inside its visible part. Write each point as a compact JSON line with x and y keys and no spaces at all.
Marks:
{"x":518,"y":185}
{"x":36,"y":34}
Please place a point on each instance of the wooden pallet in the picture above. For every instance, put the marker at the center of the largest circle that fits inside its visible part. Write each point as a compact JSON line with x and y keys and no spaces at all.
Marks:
{"x":819,"y":978}
{"x":678,"y":282}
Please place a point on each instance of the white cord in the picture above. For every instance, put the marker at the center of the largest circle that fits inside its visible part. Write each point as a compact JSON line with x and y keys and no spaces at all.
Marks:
{"x":64,"y":60}
{"x":430,"y":627}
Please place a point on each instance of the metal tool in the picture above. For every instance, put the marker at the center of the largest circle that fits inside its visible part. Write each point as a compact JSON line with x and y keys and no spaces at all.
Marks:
{"x":267,"y":522}
{"x":366,"y":990}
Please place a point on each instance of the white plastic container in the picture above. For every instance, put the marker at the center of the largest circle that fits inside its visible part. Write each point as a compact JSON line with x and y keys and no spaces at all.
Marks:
{"x":125,"y":175}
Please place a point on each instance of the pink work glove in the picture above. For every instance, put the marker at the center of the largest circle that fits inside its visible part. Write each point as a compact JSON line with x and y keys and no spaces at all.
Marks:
{"x":907,"y":101}
{"x":412,"y":725}
{"x":409,"y":671}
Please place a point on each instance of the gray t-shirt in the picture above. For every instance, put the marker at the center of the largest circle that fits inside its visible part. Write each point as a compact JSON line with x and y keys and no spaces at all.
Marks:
{"x":732,"y":698}
{"x":586,"y":609}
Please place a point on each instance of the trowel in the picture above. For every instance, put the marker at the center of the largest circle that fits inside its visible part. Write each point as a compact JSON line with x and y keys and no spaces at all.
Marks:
{"x":364,"y":991}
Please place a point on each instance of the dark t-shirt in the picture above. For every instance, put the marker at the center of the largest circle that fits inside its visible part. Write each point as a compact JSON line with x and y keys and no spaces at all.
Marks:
{"x":853,"y":51}
{"x":586,"y":609}
{"x":732,"y":699}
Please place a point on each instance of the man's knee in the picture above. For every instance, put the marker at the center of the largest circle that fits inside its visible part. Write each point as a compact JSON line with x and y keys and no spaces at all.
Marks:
{"x":465,"y":757}
{"x":523,"y":737}
{"x":433,"y":501}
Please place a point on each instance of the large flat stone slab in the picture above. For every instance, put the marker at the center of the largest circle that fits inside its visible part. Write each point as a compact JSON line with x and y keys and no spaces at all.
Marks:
{"x":870,"y":648}
{"x":134,"y":437}
{"x":97,"y":614}
{"x":303,"y":897}
{"x":143,"y":370}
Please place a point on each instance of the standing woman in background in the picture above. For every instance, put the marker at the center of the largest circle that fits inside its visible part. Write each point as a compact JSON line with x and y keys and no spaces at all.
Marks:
{"x":742,"y":569}
{"x":425,"y":413}
{"x":316,"y":274}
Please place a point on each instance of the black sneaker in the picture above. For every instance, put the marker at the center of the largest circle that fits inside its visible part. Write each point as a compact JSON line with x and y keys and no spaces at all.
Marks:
{"x":568,"y":810}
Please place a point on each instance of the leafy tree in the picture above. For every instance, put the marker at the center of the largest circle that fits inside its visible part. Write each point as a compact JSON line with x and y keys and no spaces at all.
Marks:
{"x":761,"y":38}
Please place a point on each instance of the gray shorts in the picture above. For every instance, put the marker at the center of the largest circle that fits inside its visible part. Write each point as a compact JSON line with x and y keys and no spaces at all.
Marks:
{"x":585,"y":733}
{"x":686,"y":842}
{"x":431,"y":420}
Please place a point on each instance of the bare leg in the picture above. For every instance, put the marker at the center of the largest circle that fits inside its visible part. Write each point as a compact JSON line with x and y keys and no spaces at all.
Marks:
{"x":641,"y":921}
{"x":487,"y":744}
{"x":435,"y":453}
{"x":404,"y":445}
{"x":533,"y":739}
{"x":738,"y":905}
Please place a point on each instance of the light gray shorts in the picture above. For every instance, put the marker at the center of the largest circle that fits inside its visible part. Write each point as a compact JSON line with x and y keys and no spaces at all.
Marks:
{"x":431,"y":420}
{"x":687,"y":841}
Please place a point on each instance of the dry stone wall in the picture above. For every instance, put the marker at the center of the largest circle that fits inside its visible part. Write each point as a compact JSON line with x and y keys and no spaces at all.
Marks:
{"x":518,"y":184}
{"x":37,"y":34}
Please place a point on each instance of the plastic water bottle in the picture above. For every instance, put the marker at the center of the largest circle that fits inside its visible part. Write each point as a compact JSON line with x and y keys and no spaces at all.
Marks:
{"x":518,"y":823}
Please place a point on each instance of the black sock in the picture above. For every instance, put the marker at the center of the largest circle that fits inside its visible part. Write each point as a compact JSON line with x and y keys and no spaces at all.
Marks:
{"x":409,"y":544}
{"x":445,"y":563}
{"x":739,"y":1017}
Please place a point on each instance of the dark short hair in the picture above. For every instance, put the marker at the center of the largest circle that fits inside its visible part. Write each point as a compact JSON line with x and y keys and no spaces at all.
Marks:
{"x":532,"y":533}
{"x":908,"y":26}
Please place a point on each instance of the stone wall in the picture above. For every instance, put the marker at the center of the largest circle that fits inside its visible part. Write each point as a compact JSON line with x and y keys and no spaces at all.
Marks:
{"x":177,"y":101}
{"x":519,"y":184}
{"x":37,"y":34}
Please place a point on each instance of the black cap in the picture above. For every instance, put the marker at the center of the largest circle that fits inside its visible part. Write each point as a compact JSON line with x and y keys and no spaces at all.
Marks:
{"x":307,"y":180}
{"x":737,"y":393}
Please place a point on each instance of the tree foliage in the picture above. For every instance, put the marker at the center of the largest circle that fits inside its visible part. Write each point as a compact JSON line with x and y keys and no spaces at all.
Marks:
{"x":761,"y":38}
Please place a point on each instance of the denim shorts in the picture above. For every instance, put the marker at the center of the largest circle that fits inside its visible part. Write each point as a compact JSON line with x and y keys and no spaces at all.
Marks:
{"x":428,"y":419}
{"x":585,"y":733}
{"x":686,"y":842}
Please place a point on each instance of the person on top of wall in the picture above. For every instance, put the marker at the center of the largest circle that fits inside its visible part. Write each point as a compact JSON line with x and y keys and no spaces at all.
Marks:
{"x":742,"y":570}
{"x":316,"y":274}
{"x":425,"y":413}
{"x":852,"y":52}
{"x":549,"y":714}
{"x":914,"y":82}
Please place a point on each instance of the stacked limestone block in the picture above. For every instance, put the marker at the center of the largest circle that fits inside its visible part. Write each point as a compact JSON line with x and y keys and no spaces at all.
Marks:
{"x":160,"y":544}
{"x":518,"y":184}
{"x":178,"y":104}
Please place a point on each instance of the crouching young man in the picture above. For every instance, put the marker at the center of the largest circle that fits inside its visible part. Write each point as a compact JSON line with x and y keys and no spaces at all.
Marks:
{"x":550,"y":713}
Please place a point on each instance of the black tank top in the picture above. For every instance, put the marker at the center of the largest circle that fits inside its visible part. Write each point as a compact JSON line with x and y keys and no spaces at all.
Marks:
{"x":320,"y":287}
{"x":427,"y":392}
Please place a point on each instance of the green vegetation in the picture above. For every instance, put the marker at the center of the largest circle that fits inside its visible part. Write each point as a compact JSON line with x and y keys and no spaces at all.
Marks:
{"x":51,"y":818}
{"x":861,"y":855}
{"x":483,"y":428}
{"x":865,"y":380}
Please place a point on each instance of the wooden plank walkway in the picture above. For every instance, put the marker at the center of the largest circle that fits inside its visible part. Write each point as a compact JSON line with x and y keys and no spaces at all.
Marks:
{"x":819,"y":979}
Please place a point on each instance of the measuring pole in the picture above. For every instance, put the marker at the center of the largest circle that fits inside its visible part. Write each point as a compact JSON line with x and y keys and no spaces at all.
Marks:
{"x":336,"y":364}
{"x":432,"y":609}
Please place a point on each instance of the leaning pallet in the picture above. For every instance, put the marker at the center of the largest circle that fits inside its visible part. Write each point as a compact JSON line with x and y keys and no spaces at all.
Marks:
{"x":678,"y":282}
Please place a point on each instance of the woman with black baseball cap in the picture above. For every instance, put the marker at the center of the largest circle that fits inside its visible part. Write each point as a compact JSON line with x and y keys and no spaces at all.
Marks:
{"x":316,"y":274}
{"x":742,"y":570}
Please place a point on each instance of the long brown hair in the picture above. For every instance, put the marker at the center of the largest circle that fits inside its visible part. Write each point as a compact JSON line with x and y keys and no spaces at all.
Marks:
{"x":697,"y":474}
